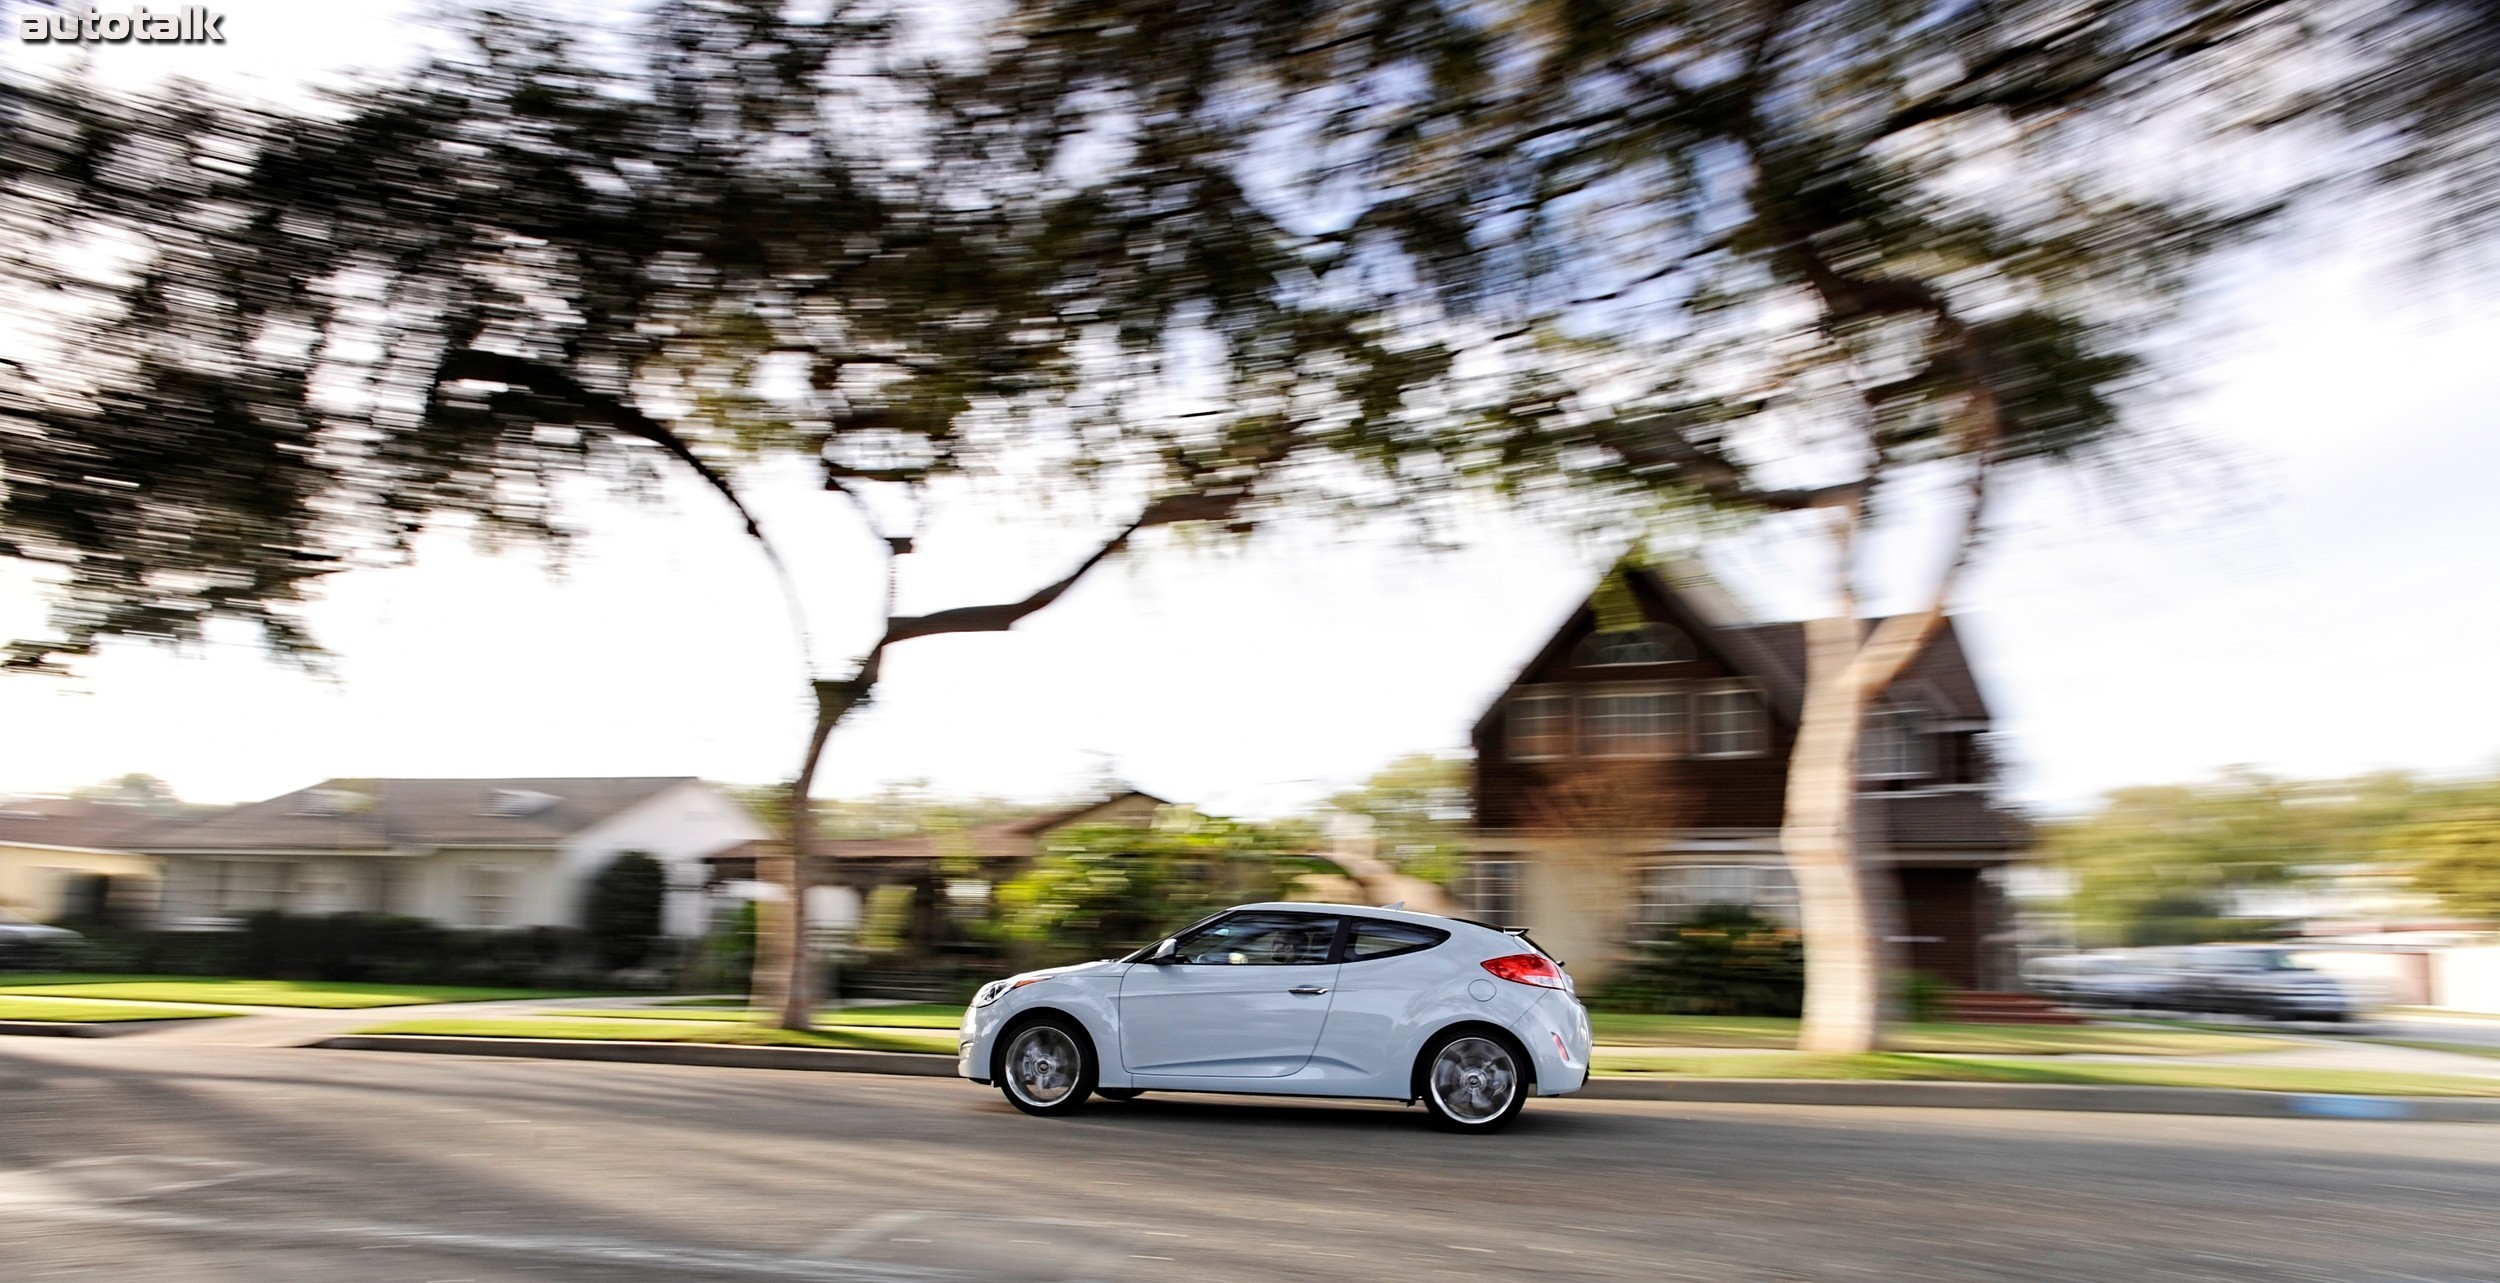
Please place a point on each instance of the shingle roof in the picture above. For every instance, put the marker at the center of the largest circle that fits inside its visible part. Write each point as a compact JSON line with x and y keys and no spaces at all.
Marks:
{"x":1005,"y":840}
{"x":71,"y":822}
{"x":382,"y":814}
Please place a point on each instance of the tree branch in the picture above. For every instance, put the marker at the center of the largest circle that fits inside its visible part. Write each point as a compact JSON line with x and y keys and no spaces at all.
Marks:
{"x":1655,"y":443}
{"x":1969,"y":93}
{"x":478,"y":365}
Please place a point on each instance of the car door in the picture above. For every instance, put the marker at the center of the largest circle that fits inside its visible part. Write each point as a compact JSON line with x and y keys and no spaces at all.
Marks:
{"x":1244,"y":996}
{"x":1388,"y":974}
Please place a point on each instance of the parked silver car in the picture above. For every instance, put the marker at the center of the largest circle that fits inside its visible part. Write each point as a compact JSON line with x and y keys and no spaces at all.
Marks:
{"x":2264,"y":981}
{"x":25,"y":942}
{"x":2267,"y":982}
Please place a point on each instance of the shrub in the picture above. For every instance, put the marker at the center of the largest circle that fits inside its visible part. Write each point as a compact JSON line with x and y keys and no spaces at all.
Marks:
{"x":1102,"y":891}
{"x":623,"y":913}
{"x":1724,"y":960}
{"x":1924,"y":998}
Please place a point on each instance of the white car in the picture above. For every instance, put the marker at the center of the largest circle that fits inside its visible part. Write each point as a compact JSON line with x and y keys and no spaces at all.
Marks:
{"x":1293,"y":1000}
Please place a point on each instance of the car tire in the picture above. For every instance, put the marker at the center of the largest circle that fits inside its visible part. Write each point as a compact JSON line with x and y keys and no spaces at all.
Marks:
{"x":1045,"y":1066}
{"x":1119,"y":1093}
{"x":1472,"y":1079}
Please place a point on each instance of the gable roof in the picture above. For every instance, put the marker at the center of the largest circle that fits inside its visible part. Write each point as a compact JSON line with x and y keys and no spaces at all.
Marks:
{"x":1938,"y":677}
{"x":1774,"y":654}
{"x":385,"y":814}
{"x":1003,"y":840}
{"x":1079,"y":813}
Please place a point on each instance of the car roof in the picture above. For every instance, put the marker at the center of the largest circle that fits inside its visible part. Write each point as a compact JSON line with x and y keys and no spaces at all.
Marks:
{"x":1365,"y":910}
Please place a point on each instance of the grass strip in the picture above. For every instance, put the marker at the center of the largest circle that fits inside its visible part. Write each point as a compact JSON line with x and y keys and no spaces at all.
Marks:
{"x":2452,"y":1048}
{"x":321,"y":994}
{"x":730,"y":1033}
{"x":1621,"y":1029}
{"x":1899,"y":1067}
{"x":914,"y":1016}
{"x":80,"y":1011}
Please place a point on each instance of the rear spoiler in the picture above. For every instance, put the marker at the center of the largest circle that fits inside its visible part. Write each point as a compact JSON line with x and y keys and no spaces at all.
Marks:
{"x":1520,"y":933}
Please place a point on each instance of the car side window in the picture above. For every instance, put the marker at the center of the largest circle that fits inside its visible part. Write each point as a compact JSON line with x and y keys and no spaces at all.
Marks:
{"x":1260,"y":940}
{"x":1374,"y":939}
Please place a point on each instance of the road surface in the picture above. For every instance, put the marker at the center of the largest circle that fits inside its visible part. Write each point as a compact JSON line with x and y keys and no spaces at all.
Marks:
{"x":124,"y":1160}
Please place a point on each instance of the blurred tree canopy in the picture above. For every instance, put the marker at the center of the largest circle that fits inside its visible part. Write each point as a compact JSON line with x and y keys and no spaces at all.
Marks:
{"x":2162,"y":865}
{"x":1102,"y":891}
{"x":1418,"y":810}
{"x":2450,"y":850}
{"x":279,"y":343}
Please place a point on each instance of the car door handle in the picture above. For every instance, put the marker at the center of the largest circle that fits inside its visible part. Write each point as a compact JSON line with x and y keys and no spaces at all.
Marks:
{"x":1308,"y":990}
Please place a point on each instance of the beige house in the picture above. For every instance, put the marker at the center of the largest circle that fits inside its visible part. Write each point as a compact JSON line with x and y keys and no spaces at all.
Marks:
{"x":463,"y":852}
{"x":64,"y":858}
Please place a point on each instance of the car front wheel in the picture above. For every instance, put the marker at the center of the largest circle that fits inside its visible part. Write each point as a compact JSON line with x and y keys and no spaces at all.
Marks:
{"x":1046,"y":1067}
{"x":1473,"y":1081}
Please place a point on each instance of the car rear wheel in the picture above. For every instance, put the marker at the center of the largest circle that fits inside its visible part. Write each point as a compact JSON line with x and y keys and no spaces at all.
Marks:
{"x":1473,"y":1081}
{"x":1046,"y":1067}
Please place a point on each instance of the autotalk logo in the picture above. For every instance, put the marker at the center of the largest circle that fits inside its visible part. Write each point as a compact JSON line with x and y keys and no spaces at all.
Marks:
{"x":192,"y":26}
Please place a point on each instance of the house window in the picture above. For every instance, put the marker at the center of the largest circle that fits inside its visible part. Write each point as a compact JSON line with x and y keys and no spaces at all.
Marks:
{"x":1632,"y":723}
{"x":251,"y":886}
{"x":1894,"y":745}
{"x":1539,"y":725}
{"x":1648,"y":644}
{"x":1671,"y":893}
{"x":967,"y":900}
{"x":1730,"y":722}
{"x":1493,"y":891}
{"x":486,"y":893}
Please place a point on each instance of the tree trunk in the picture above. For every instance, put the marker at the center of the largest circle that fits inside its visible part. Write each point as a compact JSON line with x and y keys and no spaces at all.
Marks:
{"x":783,"y":981}
{"x":1844,"y":957}
{"x":780,"y":941}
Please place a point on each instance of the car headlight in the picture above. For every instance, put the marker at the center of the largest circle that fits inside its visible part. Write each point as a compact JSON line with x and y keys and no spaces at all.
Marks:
{"x":997,"y":989}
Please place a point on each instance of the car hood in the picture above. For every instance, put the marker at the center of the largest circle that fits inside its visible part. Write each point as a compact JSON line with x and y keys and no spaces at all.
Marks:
{"x":1069,"y":970}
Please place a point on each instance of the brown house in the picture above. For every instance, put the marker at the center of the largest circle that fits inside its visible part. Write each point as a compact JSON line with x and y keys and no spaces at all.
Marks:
{"x":1634,"y":772}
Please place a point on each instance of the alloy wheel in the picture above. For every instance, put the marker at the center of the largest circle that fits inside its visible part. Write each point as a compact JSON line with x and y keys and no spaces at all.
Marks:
{"x":1043,"y":1064}
{"x":1474,"y":1080}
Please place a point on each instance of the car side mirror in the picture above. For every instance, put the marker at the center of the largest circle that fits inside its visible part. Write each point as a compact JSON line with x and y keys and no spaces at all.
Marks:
{"x":1166,"y":950}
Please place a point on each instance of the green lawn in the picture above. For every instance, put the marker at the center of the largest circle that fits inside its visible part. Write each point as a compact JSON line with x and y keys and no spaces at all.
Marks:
{"x":82,"y":1011}
{"x":259,"y":993}
{"x":1618,"y":1029}
{"x":2452,"y":1048}
{"x":733,"y":1032}
{"x":1896,"y":1067}
{"x":918,"y":1015}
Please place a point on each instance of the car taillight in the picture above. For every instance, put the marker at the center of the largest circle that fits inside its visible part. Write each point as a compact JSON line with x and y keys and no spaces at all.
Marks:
{"x":1528,"y":969}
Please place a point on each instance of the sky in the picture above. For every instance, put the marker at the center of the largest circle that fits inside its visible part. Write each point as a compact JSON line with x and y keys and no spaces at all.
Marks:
{"x":2314,"y":593}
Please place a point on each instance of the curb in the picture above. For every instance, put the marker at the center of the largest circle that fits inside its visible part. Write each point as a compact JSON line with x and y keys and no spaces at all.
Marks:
{"x":715,"y":1055}
{"x":2209,"y":1101}
{"x":93,"y":1029}
{"x":2073,"y":1097}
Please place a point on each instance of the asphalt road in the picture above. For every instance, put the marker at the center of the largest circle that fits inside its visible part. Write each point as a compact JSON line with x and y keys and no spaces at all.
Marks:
{"x":125,"y":1161}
